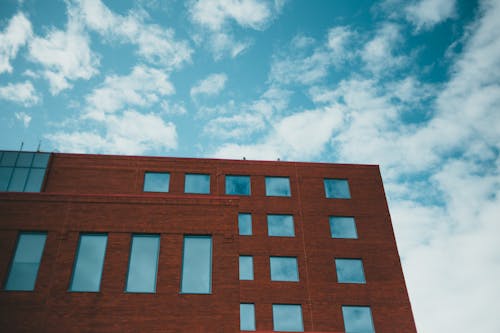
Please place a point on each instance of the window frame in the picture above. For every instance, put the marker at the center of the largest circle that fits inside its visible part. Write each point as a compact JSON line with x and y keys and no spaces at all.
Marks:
{"x":268,"y":216}
{"x":186,"y":177}
{"x":210,"y":266}
{"x":296,"y":261}
{"x":240,"y":222}
{"x":254,"y":324}
{"x":75,"y":261}
{"x":329,"y":195}
{"x":359,"y":279}
{"x":331,"y":223}
{"x":146,"y":173}
{"x":251,"y":267}
{"x":275,"y":306}
{"x":372,"y":326}
{"x":234,"y":176}
{"x":143,"y":235}
{"x":267,"y":186}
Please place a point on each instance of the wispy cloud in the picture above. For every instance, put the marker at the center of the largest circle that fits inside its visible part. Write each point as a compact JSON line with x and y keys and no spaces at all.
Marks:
{"x":24,"y":118}
{"x":15,"y":35}
{"x":211,"y":85}
{"x":425,"y":14}
{"x":21,"y":93}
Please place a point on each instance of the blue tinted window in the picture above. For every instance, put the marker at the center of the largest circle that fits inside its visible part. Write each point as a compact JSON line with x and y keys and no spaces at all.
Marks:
{"x":22,"y":171}
{"x":26,"y":261}
{"x":350,"y":271}
{"x":247,"y":317}
{"x":280,"y":225}
{"x":238,"y":185}
{"x":89,"y":262}
{"x":9,"y":158}
{"x":5,"y":173}
{"x":143,"y":264}
{"x":18,"y":180}
{"x":245,"y":224}
{"x":284,"y":269}
{"x":278,"y":186}
{"x":246,"y":268}
{"x":156,"y":181}
{"x":197,"y":265}
{"x":195,"y":183}
{"x":24,"y":159}
{"x":337,"y":188}
{"x":287,"y":318}
{"x":343,"y":227}
{"x":35,"y":180}
{"x":41,"y":160}
{"x":358,"y":319}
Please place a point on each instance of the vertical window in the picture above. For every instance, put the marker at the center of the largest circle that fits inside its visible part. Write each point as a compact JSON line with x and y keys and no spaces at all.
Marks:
{"x":284,"y":269}
{"x":143,"y":264}
{"x":350,"y":271}
{"x":246,"y":268}
{"x":287,"y":318}
{"x":156,"y":181}
{"x":89,"y":261}
{"x":337,"y":188}
{"x":238,"y":185}
{"x":197,"y":183}
{"x":26,"y":261}
{"x":278,"y":186}
{"x":22,"y":171}
{"x":197,"y":265}
{"x":343,"y":227}
{"x":358,"y":319}
{"x":245,"y":224}
{"x":247,"y":317}
{"x":280,"y":225}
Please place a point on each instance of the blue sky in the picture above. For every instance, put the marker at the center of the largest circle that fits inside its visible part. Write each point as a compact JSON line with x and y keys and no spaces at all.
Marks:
{"x":413,"y":86}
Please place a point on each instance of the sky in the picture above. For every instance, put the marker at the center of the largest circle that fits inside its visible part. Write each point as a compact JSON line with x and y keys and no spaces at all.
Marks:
{"x":413,"y":86}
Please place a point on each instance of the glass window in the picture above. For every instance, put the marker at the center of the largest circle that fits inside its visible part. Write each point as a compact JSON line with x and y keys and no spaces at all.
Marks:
{"x":18,"y":179}
{"x":5,"y":173}
{"x":89,"y":262}
{"x":350,"y":271}
{"x":156,"y":181}
{"x":278,"y":186}
{"x":247,"y":317}
{"x":24,"y":159}
{"x":287,"y":318}
{"x":280,"y":225}
{"x":22,"y":171}
{"x":143,"y":264}
{"x":343,"y":227}
{"x":246,"y":268}
{"x":35,"y":180}
{"x":245,"y":224}
{"x":9,"y":158}
{"x":197,"y":265}
{"x":26,"y":261}
{"x":197,"y":183}
{"x":238,"y":185}
{"x":41,"y":160}
{"x":358,"y":319}
{"x":337,"y":188}
{"x":284,"y":269}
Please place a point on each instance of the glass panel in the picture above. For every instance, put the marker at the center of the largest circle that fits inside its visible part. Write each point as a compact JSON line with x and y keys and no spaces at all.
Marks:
{"x":24,"y":159}
{"x":143,"y":264}
{"x":9,"y":158}
{"x":246,"y":268}
{"x":197,"y":184}
{"x":197,"y":265}
{"x":247,"y":317}
{"x":287,"y":318}
{"x":18,"y":179}
{"x":5,"y":173}
{"x":278,"y":186}
{"x":245,"y":224}
{"x":35,"y":180}
{"x":156,"y":182}
{"x":343,"y":227}
{"x":41,"y":160}
{"x":284,"y":269}
{"x":350,"y":271}
{"x":280,"y":225}
{"x":89,"y":262}
{"x":24,"y":267}
{"x":358,"y":319}
{"x":239,"y":185}
{"x":337,"y":188}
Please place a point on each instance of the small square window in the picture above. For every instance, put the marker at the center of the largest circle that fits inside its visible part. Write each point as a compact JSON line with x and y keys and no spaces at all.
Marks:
{"x":246,"y":268}
{"x":238,"y":185}
{"x":247,"y":317}
{"x":278,"y":186}
{"x":337,"y":188}
{"x":280,"y":225}
{"x":358,"y":319}
{"x":287,"y":318}
{"x":245,"y":224}
{"x":284,"y":269}
{"x":156,"y":181}
{"x":350,"y":271}
{"x":343,"y":227}
{"x":197,"y":183}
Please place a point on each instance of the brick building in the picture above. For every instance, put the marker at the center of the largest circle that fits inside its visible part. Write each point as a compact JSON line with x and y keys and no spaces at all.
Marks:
{"x":97,"y":243}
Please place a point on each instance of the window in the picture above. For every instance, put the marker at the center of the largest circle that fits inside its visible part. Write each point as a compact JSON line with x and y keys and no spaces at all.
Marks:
{"x":197,"y":265}
{"x":280,"y":225}
{"x":246,"y":268}
{"x":337,"y":188}
{"x":89,"y":262}
{"x":197,"y":183}
{"x":350,"y":271}
{"x":26,"y":261}
{"x":247,"y":317}
{"x":358,"y":319}
{"x":22,"y":171}
{"x":284,"y":269}
{"x":156,"y":181}
{"x":287,"y":318}
{"x":343,"y":227}
{"x":238,"y":185}
{"x":143,"y":264}
{"x":278,"y":186}
{"x":245,"y":224}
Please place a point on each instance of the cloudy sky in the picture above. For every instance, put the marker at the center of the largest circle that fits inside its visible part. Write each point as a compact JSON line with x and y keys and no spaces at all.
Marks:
{"x":413,"y":86}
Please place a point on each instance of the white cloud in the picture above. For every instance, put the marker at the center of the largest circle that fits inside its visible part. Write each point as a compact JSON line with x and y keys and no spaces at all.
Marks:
{"x":211,"y":85}
{"x":15,"y":35}
{"x":425,"y":14}
{"x":234,"y":127}
{"x":20,"y":93}
{"x":222,"y":44}
{"x":339,"y":41}
{"x":24,"y":118}
{"x":173,"y":108}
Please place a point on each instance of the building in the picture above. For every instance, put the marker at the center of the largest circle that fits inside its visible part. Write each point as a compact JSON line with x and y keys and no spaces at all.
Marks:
{"x":101,"y":243}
